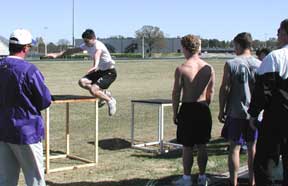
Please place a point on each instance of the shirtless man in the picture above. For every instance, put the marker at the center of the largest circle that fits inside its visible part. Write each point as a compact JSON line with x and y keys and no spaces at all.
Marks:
{"x":195,"y":80}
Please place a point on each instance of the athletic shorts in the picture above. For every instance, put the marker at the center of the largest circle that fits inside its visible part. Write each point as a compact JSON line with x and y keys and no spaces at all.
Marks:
{"x":194,"y":124}
{"x":238,"y":130}
{"x":102,"y":78}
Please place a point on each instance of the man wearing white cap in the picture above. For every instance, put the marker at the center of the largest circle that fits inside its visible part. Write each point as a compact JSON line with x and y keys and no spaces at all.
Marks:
{"x":23,"y":95}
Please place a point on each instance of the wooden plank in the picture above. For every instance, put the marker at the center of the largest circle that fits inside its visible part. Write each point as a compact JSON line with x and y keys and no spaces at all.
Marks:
{"x":79,"y":158}
{"x":47,"y":140}
{"x":74,"y":100}
{"x":72,"y":167}
{"x":96,"y":132}
{"x":67,"y":129}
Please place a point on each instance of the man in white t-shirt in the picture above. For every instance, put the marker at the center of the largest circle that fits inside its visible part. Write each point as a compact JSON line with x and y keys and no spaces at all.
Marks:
{"x":102,"y":74}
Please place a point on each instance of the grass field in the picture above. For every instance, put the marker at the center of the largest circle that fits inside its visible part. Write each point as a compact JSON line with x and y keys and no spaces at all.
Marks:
{"x":119,"y":164}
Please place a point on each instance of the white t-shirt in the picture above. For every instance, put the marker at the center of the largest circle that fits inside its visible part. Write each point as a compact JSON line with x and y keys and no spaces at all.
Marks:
{"x":106,"y":62}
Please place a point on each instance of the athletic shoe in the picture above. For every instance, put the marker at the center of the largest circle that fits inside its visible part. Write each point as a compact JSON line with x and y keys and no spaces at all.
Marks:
{"x":202,"y":181}
{"x":112,"y":106}
{"x":182,"y":182}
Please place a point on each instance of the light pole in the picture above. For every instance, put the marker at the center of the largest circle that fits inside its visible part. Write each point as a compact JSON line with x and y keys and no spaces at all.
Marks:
{"x":45,"y":40}
{"x":265,"y":35}
{"x":73,"y":39}
{"x":143,"y":48}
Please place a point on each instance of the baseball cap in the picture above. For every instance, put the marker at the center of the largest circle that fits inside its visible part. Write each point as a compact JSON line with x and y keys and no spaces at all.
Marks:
{"x":21,"y":37}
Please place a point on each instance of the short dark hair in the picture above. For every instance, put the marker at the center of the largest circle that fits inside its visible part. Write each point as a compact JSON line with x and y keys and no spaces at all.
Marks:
{"x":284,"y":25}
{"x":244,"y":39}
{"x":265,"y":51}
{"x":15,"y":48}
{"x":88,"y":34}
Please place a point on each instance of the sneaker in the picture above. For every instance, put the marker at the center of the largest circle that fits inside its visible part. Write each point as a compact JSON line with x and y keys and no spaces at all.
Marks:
{"x":112,"y":106}
{"x":182,"y":182}
{"x":202,"y":181}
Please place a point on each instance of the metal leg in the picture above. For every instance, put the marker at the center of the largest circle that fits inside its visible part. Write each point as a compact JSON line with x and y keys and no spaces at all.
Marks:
{"x":132,"y":123}
{"x":67,"y":130}
{"x":47,"y":140}
{"x":161,"y":128}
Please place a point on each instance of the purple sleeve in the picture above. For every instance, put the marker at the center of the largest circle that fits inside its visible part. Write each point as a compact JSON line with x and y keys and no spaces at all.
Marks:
{"x":41,"y":97}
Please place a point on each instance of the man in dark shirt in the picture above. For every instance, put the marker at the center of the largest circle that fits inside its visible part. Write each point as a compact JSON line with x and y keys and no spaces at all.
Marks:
{"x":271,"y":95}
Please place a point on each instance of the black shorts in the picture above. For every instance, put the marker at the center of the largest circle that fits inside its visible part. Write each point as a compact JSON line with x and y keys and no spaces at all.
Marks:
{"x":194,"y":124}
{"x":102,"y":78}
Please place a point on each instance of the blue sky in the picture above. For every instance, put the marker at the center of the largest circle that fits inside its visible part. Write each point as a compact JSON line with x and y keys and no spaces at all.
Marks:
{"x":221,"y":19}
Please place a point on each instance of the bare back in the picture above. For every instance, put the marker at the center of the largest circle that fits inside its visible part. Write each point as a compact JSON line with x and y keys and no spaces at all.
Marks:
{"x":196,"y":79}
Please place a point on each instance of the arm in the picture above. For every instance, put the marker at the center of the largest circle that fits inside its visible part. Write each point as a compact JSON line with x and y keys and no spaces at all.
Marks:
{"x":176,"y":93}
{"x":210,"y":87}
{"x":40,"y":94}
{"x":96,"y":60}
{"x":67,"y":52}
{"x":223,"y":93}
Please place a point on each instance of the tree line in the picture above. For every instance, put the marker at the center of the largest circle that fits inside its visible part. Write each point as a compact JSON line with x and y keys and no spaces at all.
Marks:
{"x":154,"y":38}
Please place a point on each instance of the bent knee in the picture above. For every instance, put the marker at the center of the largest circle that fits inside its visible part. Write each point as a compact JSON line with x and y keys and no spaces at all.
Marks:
{"x":84,"y":82}
{"x":95,"y":88}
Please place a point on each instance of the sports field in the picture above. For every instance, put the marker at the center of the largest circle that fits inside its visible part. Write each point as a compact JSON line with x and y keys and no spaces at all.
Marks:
{"x":118,"y":163}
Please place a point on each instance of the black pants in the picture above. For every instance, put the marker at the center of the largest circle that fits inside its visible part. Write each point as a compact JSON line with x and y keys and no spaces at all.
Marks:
{"x":270,"y":145}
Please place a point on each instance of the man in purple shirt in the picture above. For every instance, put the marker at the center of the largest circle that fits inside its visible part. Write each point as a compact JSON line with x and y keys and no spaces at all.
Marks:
{"x":23,"y":95}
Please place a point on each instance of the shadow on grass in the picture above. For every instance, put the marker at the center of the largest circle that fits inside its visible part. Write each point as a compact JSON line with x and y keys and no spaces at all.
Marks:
{"x":131,"y":182}
{"x":215,"y":180}
{"x":113,"y":144}
{"x":216,"y":147}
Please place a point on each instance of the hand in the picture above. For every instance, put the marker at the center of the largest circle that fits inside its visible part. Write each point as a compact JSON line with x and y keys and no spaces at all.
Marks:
{"x":175,"y":120}
{"x":52,"y":55}
{"x":93,"y":69}
{"x":252,"y":122}
{"x":221,"y":117}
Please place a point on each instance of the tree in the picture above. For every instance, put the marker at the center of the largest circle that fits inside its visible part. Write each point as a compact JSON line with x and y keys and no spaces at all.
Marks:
{"x":40,"y":45}
{"x":117,"y":37}
{"x":272,"y":43}
{"x":110,"y":47}
{"x":153,"y":37}
{"x":131,"y":48}
{"x":51,"y":47}
{"x":63,"y":44}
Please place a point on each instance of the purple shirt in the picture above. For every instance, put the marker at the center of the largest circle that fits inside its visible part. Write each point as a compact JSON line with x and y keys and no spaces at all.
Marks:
{"x":23,"y":95}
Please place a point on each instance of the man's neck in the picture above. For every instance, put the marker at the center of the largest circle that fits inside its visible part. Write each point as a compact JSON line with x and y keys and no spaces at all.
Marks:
{"x":246,"y":53}
{"x":18,"y":55}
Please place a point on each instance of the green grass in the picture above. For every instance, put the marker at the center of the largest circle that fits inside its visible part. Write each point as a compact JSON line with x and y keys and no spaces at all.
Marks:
{"x":119,"y":164}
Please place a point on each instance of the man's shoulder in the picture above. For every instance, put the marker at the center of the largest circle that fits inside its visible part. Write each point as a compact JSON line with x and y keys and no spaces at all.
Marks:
{"x":278,"y":53}
{"x":22,"y":64}
{"x":100,"y":45}
{"x":254,"y":62}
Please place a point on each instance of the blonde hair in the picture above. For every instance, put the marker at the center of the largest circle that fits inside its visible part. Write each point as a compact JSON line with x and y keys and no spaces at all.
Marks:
{"x":191,"y":43}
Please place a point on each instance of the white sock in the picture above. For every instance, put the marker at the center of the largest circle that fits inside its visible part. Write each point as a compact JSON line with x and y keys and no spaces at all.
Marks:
{"x":186,"y":177}
{"x":110,"y":101}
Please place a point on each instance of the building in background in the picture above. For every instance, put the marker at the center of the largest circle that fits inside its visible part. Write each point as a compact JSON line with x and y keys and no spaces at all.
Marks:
{"x":133,"y":45}
{"x":4,"y":50}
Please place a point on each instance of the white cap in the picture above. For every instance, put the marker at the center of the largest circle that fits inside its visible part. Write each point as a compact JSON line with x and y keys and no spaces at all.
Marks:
{"x":21,"y":37}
